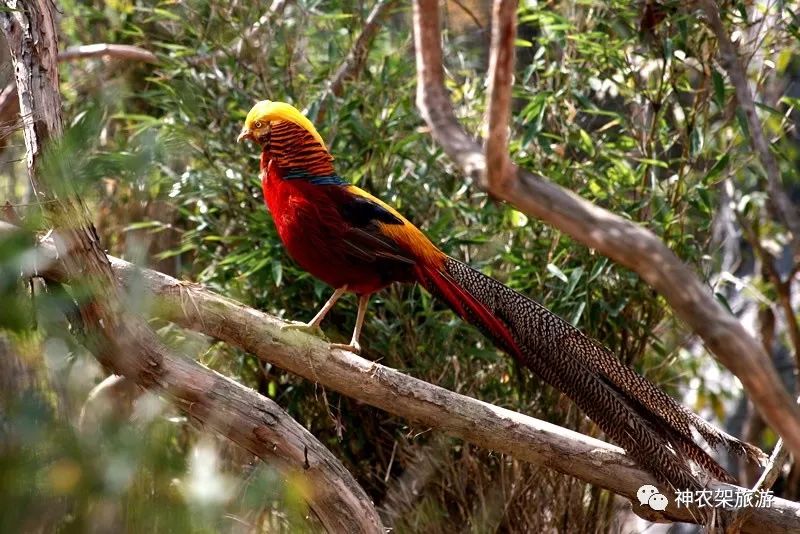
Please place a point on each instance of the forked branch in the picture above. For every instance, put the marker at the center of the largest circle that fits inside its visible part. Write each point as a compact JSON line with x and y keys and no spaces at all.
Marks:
{"x":9,"y":101}
{"x":625,"y":242}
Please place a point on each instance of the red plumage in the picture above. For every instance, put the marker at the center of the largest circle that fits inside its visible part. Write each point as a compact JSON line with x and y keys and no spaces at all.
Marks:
{"x":317,"y":236}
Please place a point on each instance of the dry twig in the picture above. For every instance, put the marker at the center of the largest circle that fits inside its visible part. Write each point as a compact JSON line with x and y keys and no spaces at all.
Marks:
{"x":9,"y":101}
{"x":354,"y":62}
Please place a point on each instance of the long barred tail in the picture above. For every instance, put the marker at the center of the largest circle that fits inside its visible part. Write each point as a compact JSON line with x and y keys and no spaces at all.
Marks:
{"x":649,"y":424}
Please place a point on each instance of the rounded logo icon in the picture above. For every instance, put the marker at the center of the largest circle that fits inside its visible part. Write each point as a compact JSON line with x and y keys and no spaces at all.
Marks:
{"x":645,"y":492}
{"x":658,"y":502}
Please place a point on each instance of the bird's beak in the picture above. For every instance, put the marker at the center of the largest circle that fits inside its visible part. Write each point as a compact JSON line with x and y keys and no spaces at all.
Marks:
{"x":246,"y":134}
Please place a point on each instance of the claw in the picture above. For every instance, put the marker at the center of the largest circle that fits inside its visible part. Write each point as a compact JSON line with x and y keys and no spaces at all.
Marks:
{"x":310,"y":329}
{"x":355,"y":348}
{"x":293,"y":324}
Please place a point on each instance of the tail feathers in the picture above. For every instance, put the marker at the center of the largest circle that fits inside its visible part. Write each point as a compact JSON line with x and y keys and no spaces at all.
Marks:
{"x":649,"y":424}
{"x":715,"y":437}
{"x":655,"y":399}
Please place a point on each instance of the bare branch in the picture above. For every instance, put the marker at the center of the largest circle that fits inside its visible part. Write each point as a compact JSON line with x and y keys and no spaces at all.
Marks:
{"x":499,"y":168}
{"x":30,"y":32}
{"x":432,"y":99}
{"x":775,"y":464}
{"x":782,"y":205}
{"x":783,"y":288}
{"x":623,"y":241}
{"x":525,"y":438}
{"x":355,"y":59}
{"x":108,"y":51}
{"x":124,"y":342}
{"x":772,"y":470}
{"x":471,"y":14}
{"x":9,"y":101}
{"x":275,"y":10}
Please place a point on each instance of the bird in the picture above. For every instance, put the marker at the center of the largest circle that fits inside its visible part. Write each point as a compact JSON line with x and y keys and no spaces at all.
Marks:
{"x":356,"y":243}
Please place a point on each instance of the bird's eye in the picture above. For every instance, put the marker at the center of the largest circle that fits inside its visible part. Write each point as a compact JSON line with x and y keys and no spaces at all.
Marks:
{"x":258,"y":124}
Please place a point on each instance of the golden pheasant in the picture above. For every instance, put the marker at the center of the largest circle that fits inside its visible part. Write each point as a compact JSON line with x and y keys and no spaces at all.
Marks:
{"x":356,"y":243}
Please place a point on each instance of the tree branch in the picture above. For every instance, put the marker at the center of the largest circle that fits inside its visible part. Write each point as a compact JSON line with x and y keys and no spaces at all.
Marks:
{"x":525,"y":438}
{"x":107,"y":51}
{"x":499,"y":168}
{"x":122,"y":341}
{"x":9,"y":101}
{"x":621,"y":240}
{"x":355,"y":59}
{"x":782,"y":205}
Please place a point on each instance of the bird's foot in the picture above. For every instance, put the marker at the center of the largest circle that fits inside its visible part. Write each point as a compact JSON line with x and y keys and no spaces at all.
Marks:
{"x":354,"y":347}
{"x":308,"y":328}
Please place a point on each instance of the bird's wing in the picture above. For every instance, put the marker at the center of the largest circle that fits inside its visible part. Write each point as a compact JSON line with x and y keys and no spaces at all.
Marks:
{"x":363,"y":236}
{"x":382,"y":222}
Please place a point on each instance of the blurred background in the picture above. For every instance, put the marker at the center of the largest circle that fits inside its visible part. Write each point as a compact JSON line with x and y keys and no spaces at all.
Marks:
{"x":620,"y":102}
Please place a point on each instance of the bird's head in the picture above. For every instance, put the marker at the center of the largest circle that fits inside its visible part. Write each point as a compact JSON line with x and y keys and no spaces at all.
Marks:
{"x":259,"y":121}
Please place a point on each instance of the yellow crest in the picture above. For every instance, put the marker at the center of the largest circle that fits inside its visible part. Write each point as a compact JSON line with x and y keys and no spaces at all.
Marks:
{"x":267,"y":111}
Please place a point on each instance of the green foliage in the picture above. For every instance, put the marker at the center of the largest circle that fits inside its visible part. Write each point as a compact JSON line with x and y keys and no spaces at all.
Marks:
{"x":637,"y":120}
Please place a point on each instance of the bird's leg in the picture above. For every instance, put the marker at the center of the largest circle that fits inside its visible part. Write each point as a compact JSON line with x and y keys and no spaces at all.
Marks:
{"x":354,"y":346}
{"x":317,"y":320}
{"x":312,"y":327}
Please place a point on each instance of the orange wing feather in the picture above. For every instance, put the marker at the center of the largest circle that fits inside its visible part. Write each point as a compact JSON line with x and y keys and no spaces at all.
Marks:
{"x":406,"y":235}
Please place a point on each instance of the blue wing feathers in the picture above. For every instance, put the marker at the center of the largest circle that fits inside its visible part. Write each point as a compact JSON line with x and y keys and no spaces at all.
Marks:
{"x":301,"y":174}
